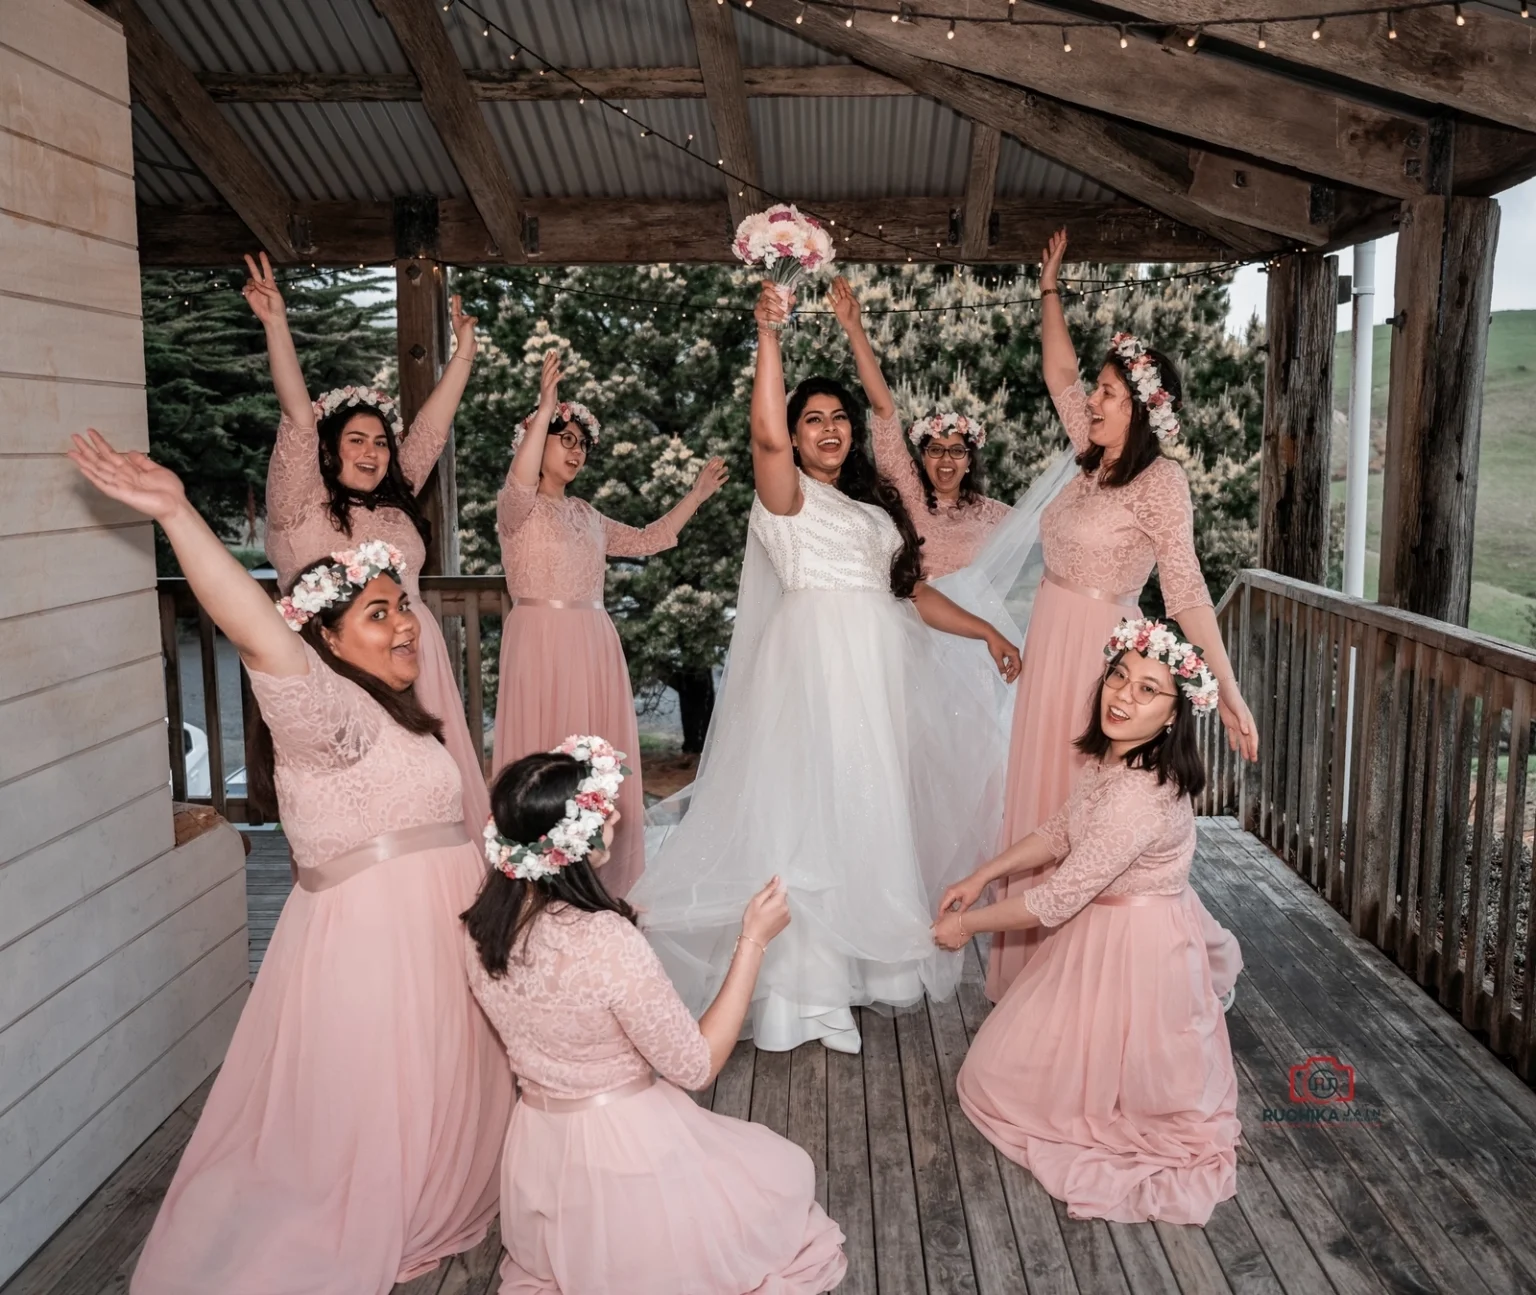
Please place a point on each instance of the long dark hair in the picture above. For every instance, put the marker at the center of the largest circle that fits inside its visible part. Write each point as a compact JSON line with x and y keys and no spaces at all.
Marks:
{"x":527,"y":799}
{"x":392,"y":492}
{"x":1173,"y":754}
{"x":402,"y":706}
{"x":1142,"y":448}
{"x":859,"y":479}
{"x":972,"y":484}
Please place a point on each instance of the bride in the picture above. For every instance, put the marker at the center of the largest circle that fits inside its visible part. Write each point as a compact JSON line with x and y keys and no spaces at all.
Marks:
{"x":833,"y":759}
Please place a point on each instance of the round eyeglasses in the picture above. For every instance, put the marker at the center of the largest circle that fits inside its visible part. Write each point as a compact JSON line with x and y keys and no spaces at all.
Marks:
{"x":1143,"y":691}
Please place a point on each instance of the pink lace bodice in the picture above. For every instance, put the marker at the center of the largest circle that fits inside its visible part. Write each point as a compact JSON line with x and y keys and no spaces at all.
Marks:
{"x":585,"y":1006}
{"x":559,"y":548}
{"x":345,"y":771}
{"x":1120,"y":834}
{"x":1110,"y":538}
{"x":300,"y":527}
{"x":951,"y":536}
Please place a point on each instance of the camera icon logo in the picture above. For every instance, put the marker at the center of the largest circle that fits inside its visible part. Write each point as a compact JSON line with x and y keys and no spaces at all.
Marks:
{"x":1321,"y":1080}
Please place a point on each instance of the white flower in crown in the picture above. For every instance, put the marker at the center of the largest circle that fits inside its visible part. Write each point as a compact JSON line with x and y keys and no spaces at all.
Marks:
{"x":568,"y":411}
{"x":1155,"y":641}
{"x":339,"y":580}
{"x":948,"y":424}
{"x":580,"y":832}
{"x":360,"y":398}
{"x":1147,"y":379}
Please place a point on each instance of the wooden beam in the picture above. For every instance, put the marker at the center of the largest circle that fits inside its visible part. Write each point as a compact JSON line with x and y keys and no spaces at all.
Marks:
{"x":714,"y":34}
{"x":421,"y":348}
{"x":1486,"y":68}
{"x":456,"y":115}
{"x":169,"y":89}
{"x":1163,"y":173}
{"x":586,"y":231}
{"x":1294,"y":495}
{"x":1220,"y":101}
{"x":980,"y":191}
{"x":829,"y":81}
{"x":1445,"y":251}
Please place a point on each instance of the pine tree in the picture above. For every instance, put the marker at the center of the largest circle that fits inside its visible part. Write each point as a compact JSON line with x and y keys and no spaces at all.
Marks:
{"x":212,"y":412}
{"x":673,"y":387}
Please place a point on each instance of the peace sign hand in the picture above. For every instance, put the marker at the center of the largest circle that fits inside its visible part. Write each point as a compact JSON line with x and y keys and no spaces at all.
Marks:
{"x":262,"y":293}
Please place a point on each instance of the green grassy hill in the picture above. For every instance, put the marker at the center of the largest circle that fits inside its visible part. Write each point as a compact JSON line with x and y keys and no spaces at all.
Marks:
{"x":1504,"y":560}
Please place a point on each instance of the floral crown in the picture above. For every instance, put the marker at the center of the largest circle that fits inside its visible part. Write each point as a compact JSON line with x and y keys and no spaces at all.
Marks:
{"x":947,"y":424}
{"x":568,"y":411}
{"x":361,"y":398}
{"x":1157,"y":642}
{"x":580,"y":832}
{"x":1147,"y":384}
{"x":339,"y":580}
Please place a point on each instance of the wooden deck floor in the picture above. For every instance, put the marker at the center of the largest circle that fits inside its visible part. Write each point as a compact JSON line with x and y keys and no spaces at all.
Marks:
{"x":1436,"y":1192}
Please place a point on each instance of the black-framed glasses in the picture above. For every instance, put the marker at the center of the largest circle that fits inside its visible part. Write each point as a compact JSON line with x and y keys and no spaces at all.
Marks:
{"x":573,"y":440}
{"x":933,"y":450}
{"x":1143,"y":691}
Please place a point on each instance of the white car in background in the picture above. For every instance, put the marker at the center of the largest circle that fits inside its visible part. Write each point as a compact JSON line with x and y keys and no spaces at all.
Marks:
{"x":194,"y":747}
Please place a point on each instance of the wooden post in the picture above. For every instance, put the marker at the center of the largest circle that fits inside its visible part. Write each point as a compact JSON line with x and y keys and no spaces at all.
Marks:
{"x":1298,"y":417}
{"x":1445,"y":251}
{"x":421,"y":323}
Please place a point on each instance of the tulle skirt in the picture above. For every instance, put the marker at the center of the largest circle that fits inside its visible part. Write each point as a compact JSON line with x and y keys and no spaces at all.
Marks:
{"x":563,"y":672}
{"x":438,"y":691}
{"x":653,"y":1195}
{"x":1106,"y":1070}
{"x":855,"y":774}
{"x":353,"y":1136}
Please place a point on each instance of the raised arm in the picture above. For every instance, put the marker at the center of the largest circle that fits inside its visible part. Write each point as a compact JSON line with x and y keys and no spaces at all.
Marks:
{"x":1057,"y":356}
{"x":529,"y":456}
{"x":846,"y":307}
{"x":640,"y":542}
{"x":266,"y":302}
{"x":238,"y":605}
{"x":429,"y":429}
{"x":947,"y":616}
{"x":774,"y":475}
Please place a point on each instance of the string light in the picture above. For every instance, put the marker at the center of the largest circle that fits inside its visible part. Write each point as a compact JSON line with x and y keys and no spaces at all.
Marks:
{"x":1391,"y":25}
{"x":848,"y":21}
{"x":1525,"y":9}
{"x":800,"y":17}
{"x":1317,"y":32}
{"x":950,"y":34}
{"x":1066,"y":42}
{"x":1194,"y":38}
{"x":1461,"y":18}
{"x":1263,"y":44}
{"x":1124,"y":40}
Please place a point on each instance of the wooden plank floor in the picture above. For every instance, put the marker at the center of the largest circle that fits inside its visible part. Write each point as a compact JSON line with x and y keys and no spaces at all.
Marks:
{"x":1434,"y":1192}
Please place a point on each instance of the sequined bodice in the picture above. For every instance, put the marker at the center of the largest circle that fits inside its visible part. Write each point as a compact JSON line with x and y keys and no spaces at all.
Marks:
{"x":833,"y":542}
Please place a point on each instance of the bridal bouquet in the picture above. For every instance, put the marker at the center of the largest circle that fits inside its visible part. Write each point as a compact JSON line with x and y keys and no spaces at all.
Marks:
{"x":785,"y":243}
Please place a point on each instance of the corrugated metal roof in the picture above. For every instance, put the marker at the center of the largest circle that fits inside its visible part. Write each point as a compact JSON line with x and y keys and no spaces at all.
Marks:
{"x":810,"y":149}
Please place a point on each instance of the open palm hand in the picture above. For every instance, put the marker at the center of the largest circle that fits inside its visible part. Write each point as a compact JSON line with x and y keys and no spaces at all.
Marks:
{"x":133,"y":479}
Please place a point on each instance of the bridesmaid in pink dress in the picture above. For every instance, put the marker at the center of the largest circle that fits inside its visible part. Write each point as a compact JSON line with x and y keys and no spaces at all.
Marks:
{"x":614,"y":1182}
{"x":352,"y":1138}
{"x":943,"y":495}
{"x":1126,"y":511}
{"x":1106,"y":1070}
{"x":562,"y":666}
{"x":343,"y":472}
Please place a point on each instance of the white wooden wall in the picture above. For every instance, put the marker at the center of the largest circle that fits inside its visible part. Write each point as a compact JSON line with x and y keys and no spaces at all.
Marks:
{"x":122,"y":960}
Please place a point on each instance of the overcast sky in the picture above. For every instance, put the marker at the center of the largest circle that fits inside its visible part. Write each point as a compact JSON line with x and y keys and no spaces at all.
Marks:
{"x":1514,"y":267}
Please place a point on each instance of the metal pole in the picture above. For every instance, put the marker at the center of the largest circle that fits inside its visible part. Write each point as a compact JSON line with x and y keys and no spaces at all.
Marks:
{"x":1356,"y":494}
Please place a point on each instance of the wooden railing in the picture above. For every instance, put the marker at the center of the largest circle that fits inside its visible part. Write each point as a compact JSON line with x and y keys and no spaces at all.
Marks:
{"x":469,"y":608}
{"x":1392,"y":777}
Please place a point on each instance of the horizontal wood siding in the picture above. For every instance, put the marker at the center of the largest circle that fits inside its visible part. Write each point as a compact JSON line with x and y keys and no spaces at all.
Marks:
{"x":123,"y":961}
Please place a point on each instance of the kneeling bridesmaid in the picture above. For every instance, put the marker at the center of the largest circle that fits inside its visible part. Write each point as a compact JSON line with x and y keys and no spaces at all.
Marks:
{"x":614,"y":1180}
{"x":1105,"y":1070}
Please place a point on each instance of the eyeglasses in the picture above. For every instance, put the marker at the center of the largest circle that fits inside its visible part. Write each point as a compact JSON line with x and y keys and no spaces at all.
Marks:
{"x":935,"y":451}
{"x":573,"y":440}
{"x":1143,"y":691}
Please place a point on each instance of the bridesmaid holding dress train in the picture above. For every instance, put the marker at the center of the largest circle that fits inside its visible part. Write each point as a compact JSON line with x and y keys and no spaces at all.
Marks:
{"x":340,"y":472}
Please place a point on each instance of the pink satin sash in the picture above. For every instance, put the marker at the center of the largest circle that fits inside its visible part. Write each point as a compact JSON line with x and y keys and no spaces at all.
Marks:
{"x":1103,"y":595}
{"x":567,"y":1105}
{"x":387,"y":845}
{"x":1134,"y":901}
{"x":590,"y":605}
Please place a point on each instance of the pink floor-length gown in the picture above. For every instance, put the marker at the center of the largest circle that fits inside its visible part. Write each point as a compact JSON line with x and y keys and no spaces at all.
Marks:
{"x":648,"y":1194}
{"x":1106,"y":1070}
{"x":1100,"y":545}
{"x":300,"y":530}
{"x":562,"y":666}
{"x":353,"y":1136}
{"x":951,"y":536}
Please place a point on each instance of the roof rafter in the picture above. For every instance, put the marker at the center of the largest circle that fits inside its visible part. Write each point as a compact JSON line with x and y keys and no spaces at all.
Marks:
{"x":714,"y":34}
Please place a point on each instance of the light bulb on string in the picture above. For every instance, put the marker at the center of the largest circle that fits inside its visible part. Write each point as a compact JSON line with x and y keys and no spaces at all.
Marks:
{"x":800,"y":17}
{"x":1194,"y":38}
{"x":1263,"y":44}
{"x":1461,"y":18}
{"x":1066,"y":42}
{"x":848,"y":21}
{"x":1317,"y":32}
{"x":1391,"y":25}
{"x":486,"y":32}
{"x":950,"y":34}
{"x":1525,"y":9}
{"x":1124,"y":40}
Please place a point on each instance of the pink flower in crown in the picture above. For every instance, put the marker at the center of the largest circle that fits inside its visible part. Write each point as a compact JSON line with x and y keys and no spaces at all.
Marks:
{"x":1158,"y":398}
{"x":357,"y":575}
{"x":593,"y":800}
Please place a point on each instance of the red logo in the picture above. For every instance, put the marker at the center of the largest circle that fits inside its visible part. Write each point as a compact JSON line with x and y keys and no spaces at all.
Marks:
{"x":1321,"y":1080}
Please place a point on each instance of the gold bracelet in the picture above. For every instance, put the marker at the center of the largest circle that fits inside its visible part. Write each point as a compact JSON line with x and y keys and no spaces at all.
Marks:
{"x":459,"y":355}
{"x":749,"y":940}
{"x":960,"y":922}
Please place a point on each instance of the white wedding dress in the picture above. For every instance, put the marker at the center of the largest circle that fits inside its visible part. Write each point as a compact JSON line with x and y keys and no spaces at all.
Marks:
{"x":853,"y":752}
